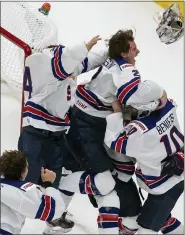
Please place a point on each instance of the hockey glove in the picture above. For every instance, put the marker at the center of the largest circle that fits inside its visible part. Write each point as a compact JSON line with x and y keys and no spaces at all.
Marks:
{"x":174,"y":165}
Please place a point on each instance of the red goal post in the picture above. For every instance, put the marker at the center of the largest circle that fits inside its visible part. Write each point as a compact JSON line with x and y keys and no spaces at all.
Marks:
{"x":24,"y":30}
{"x":27,"y":51}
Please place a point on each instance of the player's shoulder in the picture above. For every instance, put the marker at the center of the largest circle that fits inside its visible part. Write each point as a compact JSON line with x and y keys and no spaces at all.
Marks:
{"x":149,"y":122}
{"x":18,"y":184}
{"x":139,"y":125}
{"x":123,"y":64}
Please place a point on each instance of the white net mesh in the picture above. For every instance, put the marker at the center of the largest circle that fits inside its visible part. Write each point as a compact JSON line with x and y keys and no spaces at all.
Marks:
{"x":32,"y":27}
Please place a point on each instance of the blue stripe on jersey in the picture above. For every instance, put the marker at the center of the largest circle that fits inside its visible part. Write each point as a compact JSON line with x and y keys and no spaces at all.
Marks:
{"x":156,"y":116}
{"x":3,"y":232}
{"x":124,"y":167}
{"x":90,"y":98}
{"x":46,"y":209}
{"x":37,"y":112}
{"x":120,"y":61}
{"x":119,"y":145}
{"x":14,"y":183}
{"x":127,"y":90}
{"x":87,"y":184}
{"x":108,"y":217}
{"x":171,"y":225}
{"x":52,"y":210}
{"x":152,"y":183}
{"x":85,"y":65}
{"x":56,"y":64}
{"x":41,"y":208}
{"x":108,"y":210}
{"x":105,"y":224}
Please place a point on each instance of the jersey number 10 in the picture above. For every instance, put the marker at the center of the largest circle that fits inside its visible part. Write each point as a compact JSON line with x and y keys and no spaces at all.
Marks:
{"x":165,"y":140}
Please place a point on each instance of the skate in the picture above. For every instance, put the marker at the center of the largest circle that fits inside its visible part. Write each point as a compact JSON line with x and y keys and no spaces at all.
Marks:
{"x":59,"y":226}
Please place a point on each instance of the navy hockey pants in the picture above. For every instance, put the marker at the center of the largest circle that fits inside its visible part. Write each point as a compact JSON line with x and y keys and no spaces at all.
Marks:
{"x":44,"y":149}
{"x":157,"y":208}
{"x":86,"y":138}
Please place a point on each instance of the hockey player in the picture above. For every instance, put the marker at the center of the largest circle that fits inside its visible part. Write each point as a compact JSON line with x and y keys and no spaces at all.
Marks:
{"x":117,"y":78}
{"x":154,"y":139}
{"x":48,"y":82}
{"x":21,"y":199}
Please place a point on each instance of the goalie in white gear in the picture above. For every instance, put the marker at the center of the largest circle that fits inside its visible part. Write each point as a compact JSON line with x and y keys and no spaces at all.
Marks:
{"x":21,"y":199}
{"x":160,"y":160}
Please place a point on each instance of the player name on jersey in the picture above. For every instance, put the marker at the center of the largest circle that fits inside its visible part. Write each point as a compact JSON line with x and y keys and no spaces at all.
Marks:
{"x":166,"y":124}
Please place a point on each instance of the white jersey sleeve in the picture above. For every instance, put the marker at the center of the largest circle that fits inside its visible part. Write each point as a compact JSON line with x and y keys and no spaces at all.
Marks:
{"x":122,"y":139}
{"x":31,"y":202}
{"x":130,"y":89}
{"x":93,"y":60}
{"x":66,"y":59}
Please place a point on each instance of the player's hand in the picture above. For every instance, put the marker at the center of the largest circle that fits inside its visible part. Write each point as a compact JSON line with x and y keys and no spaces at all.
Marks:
{"x":163,"y":100}
{"x":174,"y":165}
{"x":92,"y":42}
{"x":116,"y":105}
{"x":47,"y":175}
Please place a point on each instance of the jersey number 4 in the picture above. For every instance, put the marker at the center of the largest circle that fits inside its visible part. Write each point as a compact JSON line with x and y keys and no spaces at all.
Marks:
{"x":27,"y":83}
{"x":166,"y":141}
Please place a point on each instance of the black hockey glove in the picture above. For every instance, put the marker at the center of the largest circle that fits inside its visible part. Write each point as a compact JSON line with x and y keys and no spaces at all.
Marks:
{"x":174,"y":165}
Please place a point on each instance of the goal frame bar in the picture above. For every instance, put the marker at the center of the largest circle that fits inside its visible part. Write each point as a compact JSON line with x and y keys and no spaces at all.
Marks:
{"x":27,"y":51}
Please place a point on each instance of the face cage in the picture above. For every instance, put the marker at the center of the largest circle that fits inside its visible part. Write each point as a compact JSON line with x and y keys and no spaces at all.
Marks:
{"x":171,"y":27}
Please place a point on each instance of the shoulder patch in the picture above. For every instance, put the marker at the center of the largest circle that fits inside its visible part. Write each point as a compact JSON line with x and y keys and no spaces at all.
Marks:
{"x":124,"y":66}
{"x":142,"y":126}
{"x":27,"y":186}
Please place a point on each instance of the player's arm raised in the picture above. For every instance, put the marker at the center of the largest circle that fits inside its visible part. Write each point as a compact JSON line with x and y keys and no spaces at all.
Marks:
{"x":94,"y":59}
{"x":66,"y":59}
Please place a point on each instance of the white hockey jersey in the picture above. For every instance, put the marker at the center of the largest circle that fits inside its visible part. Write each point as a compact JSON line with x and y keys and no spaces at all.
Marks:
{"x":124,"y":166}
{"x":47,"y":84}
{"x":115,"y":79}
{"x":149,"y":140}
{"x":20,"y":199}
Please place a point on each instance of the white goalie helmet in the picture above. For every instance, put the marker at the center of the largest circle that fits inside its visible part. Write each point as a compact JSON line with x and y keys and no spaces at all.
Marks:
{"x":144,"y":110}
{"x":170,"y":24}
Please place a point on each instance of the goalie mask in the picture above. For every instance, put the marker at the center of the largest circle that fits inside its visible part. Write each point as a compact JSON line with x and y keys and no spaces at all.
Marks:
{"x":170,"y":28}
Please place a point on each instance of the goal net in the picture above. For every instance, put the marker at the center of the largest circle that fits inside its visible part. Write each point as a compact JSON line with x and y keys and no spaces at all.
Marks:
{"x":24,"y":30}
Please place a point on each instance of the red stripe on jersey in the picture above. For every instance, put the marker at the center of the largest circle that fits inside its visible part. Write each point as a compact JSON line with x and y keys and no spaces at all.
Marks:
{"x":125,"y":167}
{"x":107,"y":218}
{"x":85,"y":94}
{"x":127,"y":89}
{"x":47,"y":208}
{"x":88,"y":188}
{"x":57,"y":69}
{"x":119,"y":143}
{"x":42,"y":114}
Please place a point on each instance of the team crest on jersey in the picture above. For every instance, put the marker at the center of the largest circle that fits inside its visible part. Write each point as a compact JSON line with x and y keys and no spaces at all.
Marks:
{"x":26,"y":186}
{"x":141,"y":125}
{"x":124,"y":66}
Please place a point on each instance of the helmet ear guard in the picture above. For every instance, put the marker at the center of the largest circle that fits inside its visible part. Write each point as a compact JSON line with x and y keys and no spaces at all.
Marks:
{"x":170,"y":24}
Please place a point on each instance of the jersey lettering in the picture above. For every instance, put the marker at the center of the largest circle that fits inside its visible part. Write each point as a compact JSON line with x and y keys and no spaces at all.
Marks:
{"x":27,"y":84}
{"x":165,"y":139}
